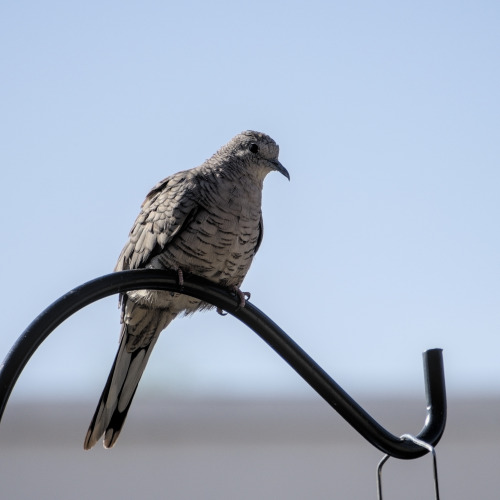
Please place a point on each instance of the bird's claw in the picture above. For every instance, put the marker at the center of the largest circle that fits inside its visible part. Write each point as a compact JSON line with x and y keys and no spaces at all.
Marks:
{"x":180,"y":281}
{"x":242,"y":296}
{"x":180,"y":277}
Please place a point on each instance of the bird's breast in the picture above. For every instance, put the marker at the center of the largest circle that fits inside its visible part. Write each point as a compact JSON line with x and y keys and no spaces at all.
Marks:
{"x":218,"y":245}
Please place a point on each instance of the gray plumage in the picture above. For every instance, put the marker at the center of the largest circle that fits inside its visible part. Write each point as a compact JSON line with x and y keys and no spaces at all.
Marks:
{"x":206,"y":221}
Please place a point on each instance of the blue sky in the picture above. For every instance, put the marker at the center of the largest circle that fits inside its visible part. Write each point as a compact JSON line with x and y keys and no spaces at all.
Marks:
{"x":384,"y":243}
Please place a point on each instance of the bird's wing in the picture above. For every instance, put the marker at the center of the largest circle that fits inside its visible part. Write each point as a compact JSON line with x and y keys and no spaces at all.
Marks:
{"x":168,"y":208}
{"x":261,"y":234}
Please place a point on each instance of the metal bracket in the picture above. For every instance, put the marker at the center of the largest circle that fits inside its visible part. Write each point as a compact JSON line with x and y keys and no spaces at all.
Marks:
{"x":271,"y":333}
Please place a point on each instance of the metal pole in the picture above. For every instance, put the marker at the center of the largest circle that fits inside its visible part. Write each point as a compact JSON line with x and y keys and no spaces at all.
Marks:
{"x":271,"y":333}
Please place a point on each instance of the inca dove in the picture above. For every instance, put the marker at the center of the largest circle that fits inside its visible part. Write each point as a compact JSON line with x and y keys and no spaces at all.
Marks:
{"x":206,"y":221}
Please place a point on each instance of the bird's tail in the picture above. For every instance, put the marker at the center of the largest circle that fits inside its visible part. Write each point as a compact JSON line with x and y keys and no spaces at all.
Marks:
{"x":122,"y":383}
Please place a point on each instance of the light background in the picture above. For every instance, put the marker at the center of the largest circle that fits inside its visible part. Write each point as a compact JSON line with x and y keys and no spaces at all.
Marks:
{"x":384,"y":243}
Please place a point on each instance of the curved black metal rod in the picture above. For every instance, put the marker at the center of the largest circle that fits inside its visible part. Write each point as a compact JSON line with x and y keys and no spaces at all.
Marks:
{"x":271,"y":333}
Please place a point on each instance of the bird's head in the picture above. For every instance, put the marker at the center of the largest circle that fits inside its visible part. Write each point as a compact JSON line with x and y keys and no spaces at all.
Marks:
{"x":258,"y":152}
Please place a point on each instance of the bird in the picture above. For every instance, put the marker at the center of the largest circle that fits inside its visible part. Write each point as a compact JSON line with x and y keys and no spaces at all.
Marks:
{"x":205,"y":221}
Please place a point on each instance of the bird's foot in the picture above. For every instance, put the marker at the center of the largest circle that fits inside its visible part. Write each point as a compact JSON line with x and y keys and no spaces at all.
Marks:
{"x":243,"y":297}
{"x":180,"y":277}
{"x":180,"y":281}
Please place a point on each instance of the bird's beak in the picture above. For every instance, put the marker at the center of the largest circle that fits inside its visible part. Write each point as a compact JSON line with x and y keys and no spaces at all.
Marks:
{"x":280,"y":168}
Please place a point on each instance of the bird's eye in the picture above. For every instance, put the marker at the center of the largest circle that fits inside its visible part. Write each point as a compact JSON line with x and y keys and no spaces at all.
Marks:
{"x":254,"y":148}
